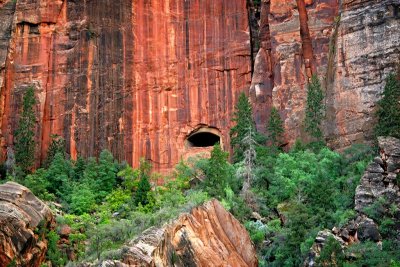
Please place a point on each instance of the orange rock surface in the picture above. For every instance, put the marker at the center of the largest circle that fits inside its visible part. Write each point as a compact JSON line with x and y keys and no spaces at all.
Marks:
{"x":137,"y":77}
{"x":207,"y":236}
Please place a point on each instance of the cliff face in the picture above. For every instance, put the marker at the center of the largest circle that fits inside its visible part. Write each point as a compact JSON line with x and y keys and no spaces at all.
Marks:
{"x":367,"y":49}
{"x":208,"y":236}
{"x":294,"y":38}
{"x":24,"y":220}
{"x":137,"y":77}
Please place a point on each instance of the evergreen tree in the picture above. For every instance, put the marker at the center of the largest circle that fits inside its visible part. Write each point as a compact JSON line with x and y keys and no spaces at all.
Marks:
{"x":79,"y":168}
{"x":25,"y":133}
{"x":314,"y":109}
{"x":275,"y":129}
{"x":58,"y":174}
{"x":388,"y":112}
{"x":57,"y":145}
{"x":107,"y":174}
{"x":246,"y":171}
{"x":243,"y":122}
{"x":144,"y":187}
{"x":217,"y":172}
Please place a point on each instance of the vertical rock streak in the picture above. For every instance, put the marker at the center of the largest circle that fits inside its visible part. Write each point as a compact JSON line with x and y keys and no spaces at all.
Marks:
{"x":135,"y":77}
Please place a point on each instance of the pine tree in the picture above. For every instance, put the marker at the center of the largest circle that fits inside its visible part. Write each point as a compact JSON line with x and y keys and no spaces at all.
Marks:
{"x":79,"y":168}
{"x":246,"y":171}
{"x":243,"y":122}
{"x":57,"y":145}
{"x":217,"y":172}
{"x":25,"y":135}
{"x":144,"y":187}
{"x":275,"y":130}
{"x":388,"y":111}
{"x":107,"y":173}
{"x":314,"y":109}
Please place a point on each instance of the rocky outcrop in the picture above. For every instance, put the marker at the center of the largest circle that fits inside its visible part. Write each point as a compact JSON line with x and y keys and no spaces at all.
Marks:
{"x":208,"y":236}
{"x":24,"y":219}
{"x":381,"y":179}
{"x":379,"y":183}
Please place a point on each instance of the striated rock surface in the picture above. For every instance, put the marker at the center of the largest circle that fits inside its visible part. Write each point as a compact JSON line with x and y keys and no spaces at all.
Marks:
{"x":133,"y":76}
{"x":137,"y":77}
{"x":366,"y":50}
{"x":294,"y":44}
{"x":208,"y":236}
{"x":23,"y":218}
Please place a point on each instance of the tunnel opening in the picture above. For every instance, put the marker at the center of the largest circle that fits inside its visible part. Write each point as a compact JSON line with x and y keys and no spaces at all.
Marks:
{"x":203,"y":139}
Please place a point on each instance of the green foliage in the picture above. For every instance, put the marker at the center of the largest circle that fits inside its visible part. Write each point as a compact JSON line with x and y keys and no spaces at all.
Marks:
{"x":53,"y":253}
{"x":58,"y":176}
{"x":243,"y":119}
{"x":275,"y":130}
{"x":257,"y":231}
{"x":83,"y":199}
{"x":370,"y":254}
{"x":79,"y":168}
{"x":311,"y":191}
{"x":217,"y":172}
{"x":331,"y":254}
{"x":25,"y":133}
{"x":144,"y":187}
{"x":314,"y":109}
{"x":388,"y":111}
{"x":57,"y":145}
{"x":106,"y":174}
{"x":38,"y":184}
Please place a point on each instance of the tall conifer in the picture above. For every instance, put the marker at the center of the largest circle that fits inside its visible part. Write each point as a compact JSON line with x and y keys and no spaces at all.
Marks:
{"x":25,"y":133}
{"x":243,"y":118}
{"x":388,"y":111}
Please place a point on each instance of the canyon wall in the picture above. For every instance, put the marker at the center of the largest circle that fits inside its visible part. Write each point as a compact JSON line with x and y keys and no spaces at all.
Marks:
{"x":137,"y":77}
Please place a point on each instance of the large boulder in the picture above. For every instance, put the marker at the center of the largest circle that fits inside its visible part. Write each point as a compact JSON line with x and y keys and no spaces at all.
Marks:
{"x":207,"y":236}
{"x":23,"y":222}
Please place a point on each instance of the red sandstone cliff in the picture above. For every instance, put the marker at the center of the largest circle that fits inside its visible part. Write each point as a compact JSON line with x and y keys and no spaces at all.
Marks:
{"x":135,"y":77}
{"x":138,"y":76}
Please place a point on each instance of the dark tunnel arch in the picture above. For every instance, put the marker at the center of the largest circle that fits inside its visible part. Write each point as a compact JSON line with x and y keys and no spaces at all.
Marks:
{"x":203,"y":137}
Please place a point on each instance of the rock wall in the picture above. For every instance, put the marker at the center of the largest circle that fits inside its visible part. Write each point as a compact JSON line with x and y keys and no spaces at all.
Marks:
{"x":366,"y":50}
{"x":24,"y":220}
{"x":208,"y":236}
{"x":137,"y":77}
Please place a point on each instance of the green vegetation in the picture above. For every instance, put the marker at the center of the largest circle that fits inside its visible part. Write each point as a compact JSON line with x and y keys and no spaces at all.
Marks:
{"x":388,"y":112}
{"x":314,"y":110}
{"x":25,"y":133}
{"x":243,"y":118}
{"x":283,"y":198}
{"x":57,"y":145}
{"x":275,"y":130}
